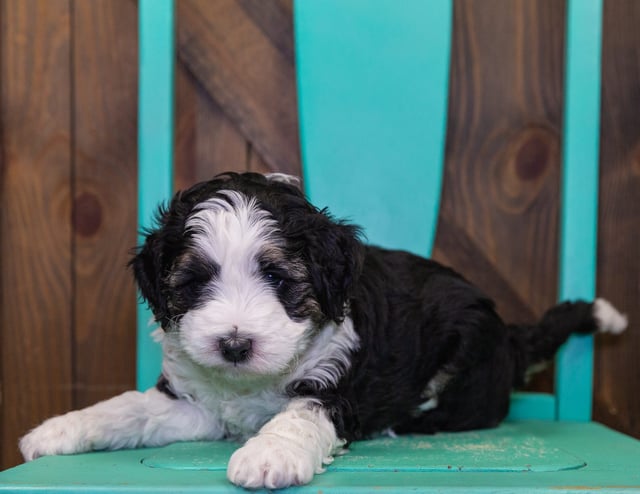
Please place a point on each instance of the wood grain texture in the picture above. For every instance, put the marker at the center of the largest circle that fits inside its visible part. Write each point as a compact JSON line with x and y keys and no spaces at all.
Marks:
{"x":617,"y":369}
{"x":275,"y":19}
{"x":501,"y":180}
{"x":250,"y":78}
{"x":35,"y":237}
{"x":255,"y":162}
{"x":455,"y":247}
{"x":105,"y":185}
{"x":207,"y":142}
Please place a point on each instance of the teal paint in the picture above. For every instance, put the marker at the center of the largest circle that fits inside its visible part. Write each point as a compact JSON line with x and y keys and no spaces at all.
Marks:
{"x":509,"y":448}
{"x":155,"y":148}
{"x":519,"y":457}
{"x":372,"y":96}
{"x":579,"y":210}
{"x":527,"y":406}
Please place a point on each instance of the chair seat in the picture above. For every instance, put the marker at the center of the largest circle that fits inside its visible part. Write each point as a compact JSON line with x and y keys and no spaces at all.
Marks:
{"x":531,"y":455}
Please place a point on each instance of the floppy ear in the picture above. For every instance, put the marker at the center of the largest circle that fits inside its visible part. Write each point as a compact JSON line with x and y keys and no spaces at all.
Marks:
{"x":335,"y":255}
{"x":153,"y":260}
{"x":148,"y":271}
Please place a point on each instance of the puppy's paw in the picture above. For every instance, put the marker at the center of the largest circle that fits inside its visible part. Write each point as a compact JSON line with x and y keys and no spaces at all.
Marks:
{"x":56,"y":436}
{"x":271,"y":461}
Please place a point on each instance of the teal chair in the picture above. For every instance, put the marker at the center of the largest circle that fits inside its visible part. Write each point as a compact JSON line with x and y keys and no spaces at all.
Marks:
{"x":349,"y":125}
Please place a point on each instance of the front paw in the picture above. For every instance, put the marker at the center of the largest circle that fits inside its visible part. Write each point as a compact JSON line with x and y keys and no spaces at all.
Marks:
{"x":56,"y":436}
{"x":270,"y":461}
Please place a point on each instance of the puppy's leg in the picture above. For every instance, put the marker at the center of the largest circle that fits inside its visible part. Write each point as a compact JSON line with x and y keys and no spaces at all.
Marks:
{"x":132,"y":419}
{"x":288,"y":450}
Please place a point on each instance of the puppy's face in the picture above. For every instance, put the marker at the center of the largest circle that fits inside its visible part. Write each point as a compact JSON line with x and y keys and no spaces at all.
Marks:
{"x":243,"y":299}
{"x":246,"y":271}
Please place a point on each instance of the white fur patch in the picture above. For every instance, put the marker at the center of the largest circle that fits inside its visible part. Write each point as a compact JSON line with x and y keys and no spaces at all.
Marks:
{"x":428,"y":405}
{"x":129,"y":420}
{"x":608,"y":318}
{"x":434,"y":387}
{"x":288,"y":450}
{"x":234,"y":232}
{"x":285,"y":178}
{"x":240,"y":403}
{"x":329,"y":356}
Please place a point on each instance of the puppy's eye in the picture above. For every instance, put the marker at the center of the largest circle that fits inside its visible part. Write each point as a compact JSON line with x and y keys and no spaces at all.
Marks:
{"x":193,"y":276}
{"x":186,"y":281}
{"x":274,"y":279}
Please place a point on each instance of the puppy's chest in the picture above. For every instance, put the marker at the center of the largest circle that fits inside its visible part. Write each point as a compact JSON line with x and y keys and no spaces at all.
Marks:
{"x":240,"y":412}
{"x":239,"y":408}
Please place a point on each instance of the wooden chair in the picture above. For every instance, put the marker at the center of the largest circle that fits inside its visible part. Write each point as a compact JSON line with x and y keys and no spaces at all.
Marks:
{"x":372,"y":90}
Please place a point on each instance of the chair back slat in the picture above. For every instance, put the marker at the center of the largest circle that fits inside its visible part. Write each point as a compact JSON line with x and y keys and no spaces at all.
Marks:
{"x":155,"y":147}
{"x":372,"y":91}
{"x":579,"y":213}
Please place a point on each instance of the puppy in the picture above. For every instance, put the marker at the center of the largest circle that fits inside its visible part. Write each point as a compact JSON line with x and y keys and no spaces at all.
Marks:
{"x":281,"y":327}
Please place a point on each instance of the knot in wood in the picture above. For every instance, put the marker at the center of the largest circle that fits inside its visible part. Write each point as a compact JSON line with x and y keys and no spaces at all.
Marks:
{"x":87,"y":214}
{"x":524,"y":167}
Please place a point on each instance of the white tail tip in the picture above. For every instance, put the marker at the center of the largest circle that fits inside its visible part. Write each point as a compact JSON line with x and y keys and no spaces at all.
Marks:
{"x":608,"y":318}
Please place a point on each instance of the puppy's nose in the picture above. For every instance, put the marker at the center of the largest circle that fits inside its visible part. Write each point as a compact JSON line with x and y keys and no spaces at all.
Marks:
{"x":234,"y":349}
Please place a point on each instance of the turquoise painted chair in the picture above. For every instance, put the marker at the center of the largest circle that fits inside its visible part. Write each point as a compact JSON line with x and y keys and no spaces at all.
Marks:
{"x":549,"y":443}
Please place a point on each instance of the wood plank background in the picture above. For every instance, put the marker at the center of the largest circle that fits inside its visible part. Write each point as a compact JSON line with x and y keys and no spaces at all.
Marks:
{"x":68,"y":82}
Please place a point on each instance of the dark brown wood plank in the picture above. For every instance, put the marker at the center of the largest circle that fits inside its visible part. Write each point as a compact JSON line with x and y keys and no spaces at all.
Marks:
{"x":501,"y":180}
{"x":256,"y":163}
{"x":249,"y":78}
{"x":36,"y":207}
{"x":207,"y":142}
{"x":275,"y":19}
{"x":617,"y":369}
{"x":456,"y":248}
{"x":104,"y":223}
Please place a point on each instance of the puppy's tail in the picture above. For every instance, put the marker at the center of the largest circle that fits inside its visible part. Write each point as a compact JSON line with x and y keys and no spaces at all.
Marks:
{"x":537,"y":344}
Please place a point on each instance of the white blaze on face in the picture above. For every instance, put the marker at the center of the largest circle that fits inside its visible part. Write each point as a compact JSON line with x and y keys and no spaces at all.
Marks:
{"x":234,"y":233}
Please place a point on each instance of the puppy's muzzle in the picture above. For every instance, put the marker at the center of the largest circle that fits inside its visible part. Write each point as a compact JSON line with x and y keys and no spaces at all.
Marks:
{"x":235,"y":349}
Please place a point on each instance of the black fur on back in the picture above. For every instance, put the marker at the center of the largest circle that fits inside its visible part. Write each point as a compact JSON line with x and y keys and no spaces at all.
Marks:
{"x":416,"y":318}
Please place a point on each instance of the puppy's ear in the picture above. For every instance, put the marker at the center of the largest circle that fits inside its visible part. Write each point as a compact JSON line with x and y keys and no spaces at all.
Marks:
{"x":148,"y":270}
{"x":335,"y":256}
{"x":153,"y":259}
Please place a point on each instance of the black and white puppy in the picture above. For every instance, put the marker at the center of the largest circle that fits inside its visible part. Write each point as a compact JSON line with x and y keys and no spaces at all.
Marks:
{"x":279,"y":325}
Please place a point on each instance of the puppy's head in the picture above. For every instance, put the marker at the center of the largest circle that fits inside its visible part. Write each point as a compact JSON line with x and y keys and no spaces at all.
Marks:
{"x":246,"y":271}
